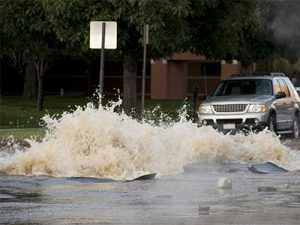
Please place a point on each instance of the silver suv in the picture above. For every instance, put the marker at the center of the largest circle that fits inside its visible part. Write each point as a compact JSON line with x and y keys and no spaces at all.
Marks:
{"x":253,"y":102}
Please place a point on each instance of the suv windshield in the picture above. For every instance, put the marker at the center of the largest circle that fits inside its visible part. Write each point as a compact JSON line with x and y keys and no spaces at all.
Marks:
{"x":244,"y":87}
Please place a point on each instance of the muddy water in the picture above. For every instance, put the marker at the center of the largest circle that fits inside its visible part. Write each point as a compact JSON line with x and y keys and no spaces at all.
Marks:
{"x":191,"y":197}
{"x":76,"y":174}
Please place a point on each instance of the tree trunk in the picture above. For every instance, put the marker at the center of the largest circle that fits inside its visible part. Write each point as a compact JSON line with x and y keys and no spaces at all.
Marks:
{"x":129,"y":83}
{"x":247,"y":63}
{"x":40,"y":95}
{"x":247,"y":66}
{"x":30,"y":84}
{"x":41,"y":66}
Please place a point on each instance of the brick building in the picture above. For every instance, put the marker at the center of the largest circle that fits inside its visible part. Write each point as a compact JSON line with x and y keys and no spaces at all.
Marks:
{"x":177,"y":76}
{"x":171,"y":78}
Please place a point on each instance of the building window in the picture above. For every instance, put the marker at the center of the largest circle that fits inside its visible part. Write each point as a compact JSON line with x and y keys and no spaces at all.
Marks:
{"x":196,"y":68}
{"x":211,"y":69}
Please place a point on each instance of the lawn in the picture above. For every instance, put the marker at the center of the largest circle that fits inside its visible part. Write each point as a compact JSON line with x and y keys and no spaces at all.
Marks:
{"x":18,"y":113}
{"x":22,"y":133}
{"x":21,"y":119}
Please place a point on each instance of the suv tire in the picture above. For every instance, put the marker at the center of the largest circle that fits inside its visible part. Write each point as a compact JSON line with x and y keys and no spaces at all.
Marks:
{"x":272,"y":123}
{"x":295,"y":127}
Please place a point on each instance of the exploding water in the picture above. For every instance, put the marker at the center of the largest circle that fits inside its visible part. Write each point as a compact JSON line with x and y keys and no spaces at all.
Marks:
{"x":99,"y":142}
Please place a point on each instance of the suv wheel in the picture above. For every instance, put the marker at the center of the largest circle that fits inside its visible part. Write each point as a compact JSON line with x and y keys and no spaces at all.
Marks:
{"x":295,"y":127}
{"x":272,"y":123}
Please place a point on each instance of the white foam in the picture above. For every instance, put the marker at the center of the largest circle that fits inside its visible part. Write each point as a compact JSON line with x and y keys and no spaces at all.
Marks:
{"x":99,"y":142}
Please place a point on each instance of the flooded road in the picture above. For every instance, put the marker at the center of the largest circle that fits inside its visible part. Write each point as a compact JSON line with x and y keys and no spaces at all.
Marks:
{"x":191,"y":197}
{"x":79,"y":172}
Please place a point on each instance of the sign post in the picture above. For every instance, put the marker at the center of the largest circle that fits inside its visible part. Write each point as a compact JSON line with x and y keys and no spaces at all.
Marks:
{"x":101,"y":73}
{"x":103,"y":35}
{"x":146,"y":41}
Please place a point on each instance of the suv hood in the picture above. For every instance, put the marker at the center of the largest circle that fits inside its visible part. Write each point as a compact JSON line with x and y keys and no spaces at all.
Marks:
{"x":239,"y":99}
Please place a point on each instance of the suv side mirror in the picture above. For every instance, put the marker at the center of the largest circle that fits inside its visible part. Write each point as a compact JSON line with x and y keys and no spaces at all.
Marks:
{"x":280,"y":94}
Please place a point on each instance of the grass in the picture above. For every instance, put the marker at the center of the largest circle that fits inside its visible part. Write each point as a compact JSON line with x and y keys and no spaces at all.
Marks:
{"x":18,"y":113}
{"x":22,"y":133}
{"x":21,"y":119}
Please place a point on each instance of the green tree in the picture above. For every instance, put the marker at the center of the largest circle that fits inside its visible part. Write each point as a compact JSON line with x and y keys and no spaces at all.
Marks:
{"x":281,"y":28}
{"x":285,"y":26}
{"x":215,"y":28}
{"x":276,"y":65}
{"x":247,"y":30}
{"x":26,"y":33}
{"x":13,"y":49}
{"x":225,"y":30}
{"x":165,"y":18}
{"x":71,"y":18}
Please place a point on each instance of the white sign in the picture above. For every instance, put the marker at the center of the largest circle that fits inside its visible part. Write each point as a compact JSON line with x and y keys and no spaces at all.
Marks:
{"x":110,"y":34}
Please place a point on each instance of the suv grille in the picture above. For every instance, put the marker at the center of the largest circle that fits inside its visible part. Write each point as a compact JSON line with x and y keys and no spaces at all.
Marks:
{"x":230,"y":108}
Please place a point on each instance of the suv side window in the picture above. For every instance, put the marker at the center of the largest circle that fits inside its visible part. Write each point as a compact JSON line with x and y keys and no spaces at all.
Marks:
{"x":284,"y":87}
{"x":276,"y":87}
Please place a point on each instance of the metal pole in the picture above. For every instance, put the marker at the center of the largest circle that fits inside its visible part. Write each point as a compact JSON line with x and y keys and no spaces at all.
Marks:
{"x":0,"y":76}
{"x":205,"y":82}
{"x":146,"y":32}
{"x":101,"y":74}
{"x":195,"y":97}
{"x":0,"y":82}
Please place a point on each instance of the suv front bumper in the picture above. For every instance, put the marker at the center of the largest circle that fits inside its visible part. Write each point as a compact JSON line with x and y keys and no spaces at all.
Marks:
{"x":234,"y":122}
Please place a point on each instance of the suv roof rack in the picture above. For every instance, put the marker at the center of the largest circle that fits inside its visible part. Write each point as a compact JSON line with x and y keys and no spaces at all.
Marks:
{"x":273,"y":74}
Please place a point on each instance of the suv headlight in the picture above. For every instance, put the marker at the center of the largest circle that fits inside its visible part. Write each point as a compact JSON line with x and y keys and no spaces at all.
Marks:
{"x":205,"y":109}
{"x":258,"y":108}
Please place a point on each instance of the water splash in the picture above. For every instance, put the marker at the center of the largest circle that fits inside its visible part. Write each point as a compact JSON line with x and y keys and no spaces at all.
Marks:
{"x":98,"y":142}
